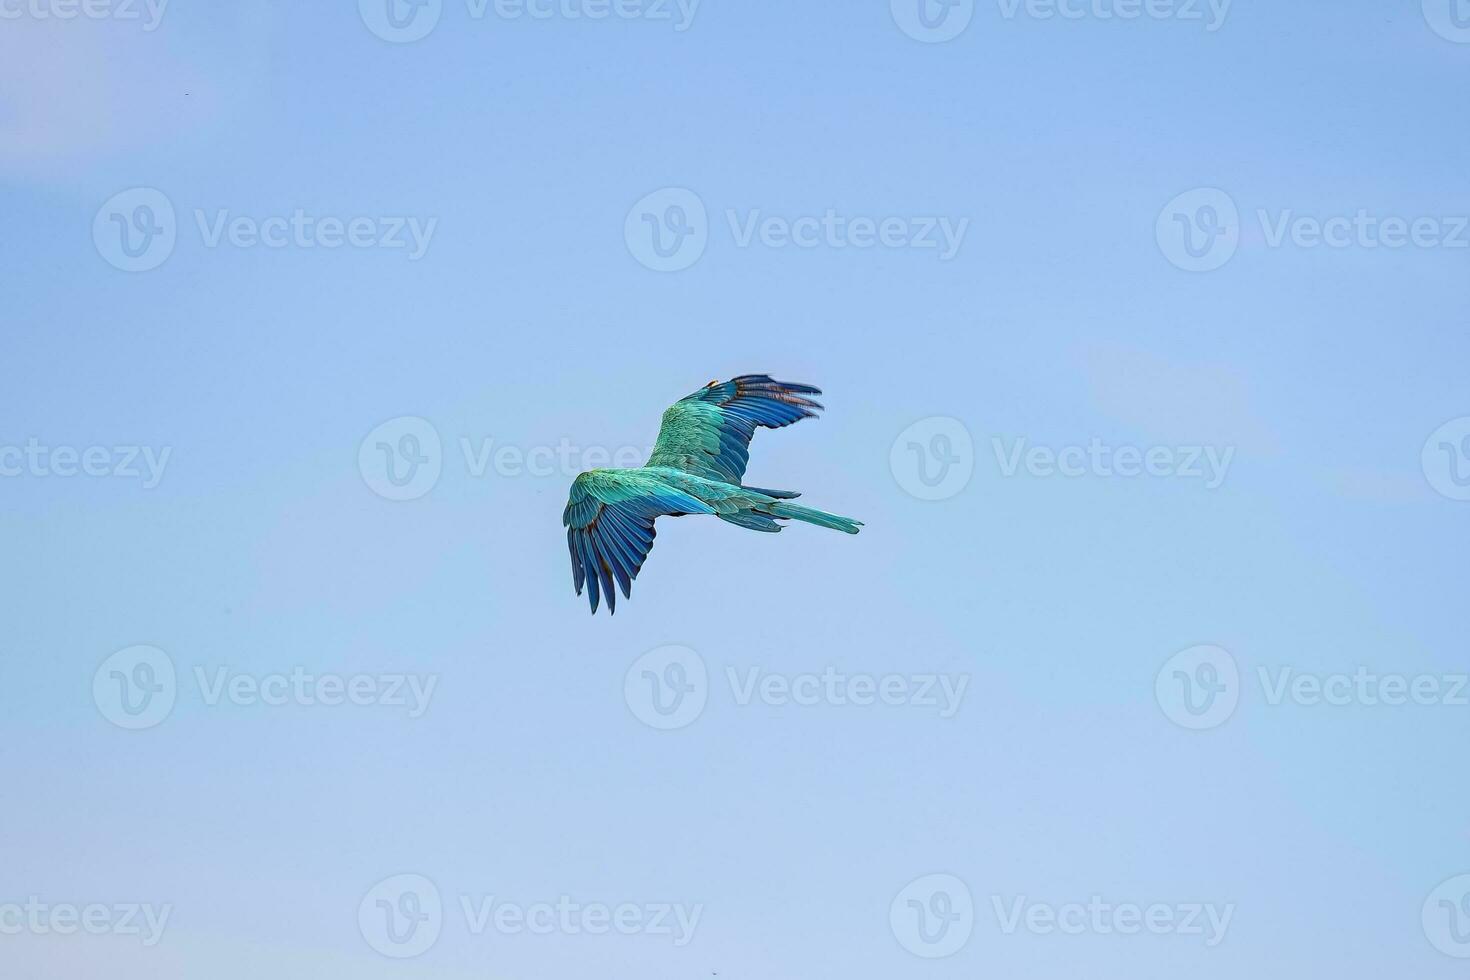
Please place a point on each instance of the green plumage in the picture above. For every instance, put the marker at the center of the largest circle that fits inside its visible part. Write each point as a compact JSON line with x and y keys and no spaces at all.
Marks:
{"x":696,"y":468}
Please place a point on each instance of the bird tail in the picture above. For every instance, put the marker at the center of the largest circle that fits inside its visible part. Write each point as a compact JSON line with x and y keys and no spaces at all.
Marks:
{"x":779,"y":494}
{"x":811,"y":515}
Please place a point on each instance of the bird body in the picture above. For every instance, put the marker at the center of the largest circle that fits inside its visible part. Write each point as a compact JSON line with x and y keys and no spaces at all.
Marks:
{"x":696,"y":468}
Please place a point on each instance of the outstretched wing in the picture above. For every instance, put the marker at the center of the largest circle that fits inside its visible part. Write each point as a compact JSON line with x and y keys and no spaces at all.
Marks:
{"x":708,"y":433}
{"x":609,"y":519}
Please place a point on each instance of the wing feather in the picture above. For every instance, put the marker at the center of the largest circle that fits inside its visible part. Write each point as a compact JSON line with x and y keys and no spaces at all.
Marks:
{"x":609,"y":518}
{"x":708,"y":433}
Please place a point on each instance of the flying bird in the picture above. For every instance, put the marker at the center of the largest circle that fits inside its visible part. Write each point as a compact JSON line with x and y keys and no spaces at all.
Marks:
{"x":696,"y":468}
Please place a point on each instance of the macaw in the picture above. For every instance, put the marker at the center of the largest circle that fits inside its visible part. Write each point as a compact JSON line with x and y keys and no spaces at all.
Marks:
{"x":696,"y":468}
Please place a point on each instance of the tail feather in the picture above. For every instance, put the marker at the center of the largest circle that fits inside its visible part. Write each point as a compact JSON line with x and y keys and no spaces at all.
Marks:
{"x":751,"y":520}
{"x":811,"y":515}
{"x":778,"y":494}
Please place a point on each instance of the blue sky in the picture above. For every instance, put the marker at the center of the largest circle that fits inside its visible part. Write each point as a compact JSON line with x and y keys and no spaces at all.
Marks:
{"x":238,"y":526}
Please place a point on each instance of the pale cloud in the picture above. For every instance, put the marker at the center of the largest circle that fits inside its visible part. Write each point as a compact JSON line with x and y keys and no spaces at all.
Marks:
{"x":1381,"y":486}
{"x":1172,"y":400}
{"x":76,"y":91}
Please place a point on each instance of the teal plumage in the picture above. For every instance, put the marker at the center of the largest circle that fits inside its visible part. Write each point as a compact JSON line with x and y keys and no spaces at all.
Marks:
{"x":696,"y":468}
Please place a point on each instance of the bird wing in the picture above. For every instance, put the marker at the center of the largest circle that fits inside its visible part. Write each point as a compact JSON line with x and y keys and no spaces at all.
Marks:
{"x":708,"y":433}
{"x":609,"y":520}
